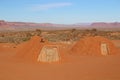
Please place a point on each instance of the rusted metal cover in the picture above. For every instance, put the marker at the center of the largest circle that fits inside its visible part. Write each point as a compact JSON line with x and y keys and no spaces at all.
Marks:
{"x":49,"y":54}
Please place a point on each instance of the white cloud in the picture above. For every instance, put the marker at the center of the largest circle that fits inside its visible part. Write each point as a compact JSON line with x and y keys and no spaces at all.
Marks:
{"x":40,"y":7}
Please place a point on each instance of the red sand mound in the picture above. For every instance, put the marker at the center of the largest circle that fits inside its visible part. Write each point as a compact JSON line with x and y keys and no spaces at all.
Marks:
{"x":92,"y":46}
{"x":29,"y":50}
{"x":36,"y":51}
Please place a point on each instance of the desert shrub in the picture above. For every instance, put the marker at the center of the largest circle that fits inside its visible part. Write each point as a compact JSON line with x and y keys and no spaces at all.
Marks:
{"x":2,"y":35}
{"x":73,"y":30}
{"x":94,"y":30}
{"x":28,"y":34}
{"x":26,"y":39}
{"x":38,"y":32}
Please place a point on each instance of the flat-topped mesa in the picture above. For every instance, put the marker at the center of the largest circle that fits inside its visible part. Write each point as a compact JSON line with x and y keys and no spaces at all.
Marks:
{"x":2,"y":22}
{"x":106,"y":25}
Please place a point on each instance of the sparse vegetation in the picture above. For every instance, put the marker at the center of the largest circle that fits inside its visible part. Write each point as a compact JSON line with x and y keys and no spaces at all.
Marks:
{"x":56,"y":36}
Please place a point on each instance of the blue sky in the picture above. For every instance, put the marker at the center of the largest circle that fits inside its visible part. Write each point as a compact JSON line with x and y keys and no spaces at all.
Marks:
{"x":60,"y":11}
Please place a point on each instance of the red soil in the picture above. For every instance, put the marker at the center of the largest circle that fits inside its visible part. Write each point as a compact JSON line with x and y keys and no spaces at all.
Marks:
{"x":6,"y":47}
{"x":78,"y":68}
{"x":91,"y":46}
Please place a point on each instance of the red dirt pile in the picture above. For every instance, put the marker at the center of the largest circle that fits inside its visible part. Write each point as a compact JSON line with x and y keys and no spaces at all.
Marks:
{"x":92,"y":46}
{"x":30,"y":50}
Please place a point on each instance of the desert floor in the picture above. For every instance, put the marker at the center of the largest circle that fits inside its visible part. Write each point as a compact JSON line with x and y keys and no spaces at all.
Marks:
{"x":78,"y":68}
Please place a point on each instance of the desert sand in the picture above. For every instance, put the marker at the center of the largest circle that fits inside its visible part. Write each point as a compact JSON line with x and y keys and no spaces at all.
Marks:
{"x":71,"y":67}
